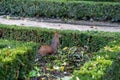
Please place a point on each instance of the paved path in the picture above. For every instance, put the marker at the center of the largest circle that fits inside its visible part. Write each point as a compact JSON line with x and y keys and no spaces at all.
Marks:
{"x":58,"y":25}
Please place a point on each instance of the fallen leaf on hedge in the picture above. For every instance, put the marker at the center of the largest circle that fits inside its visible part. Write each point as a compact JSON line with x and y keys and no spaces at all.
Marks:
{"x":42,"y":78}
{"x":56,"y":67}
{"x":65,"y":48}
{"x":62,"y":68}
{"x":106,"y":56}
{"x":7,"y":17}
{"x":108,"y":49}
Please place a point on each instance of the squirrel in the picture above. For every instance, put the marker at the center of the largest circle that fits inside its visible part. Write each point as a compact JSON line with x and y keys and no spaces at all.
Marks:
{"x":50,"y":49}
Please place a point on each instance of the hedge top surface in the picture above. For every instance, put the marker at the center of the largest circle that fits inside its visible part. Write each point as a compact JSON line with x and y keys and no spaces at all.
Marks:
{"x":101,"y":65}
{"x":93,"y":33}
{"x":10,"y":49}
{"x":78,"y":10}
{"x":68,"y":38}
{"x":81,"y":0}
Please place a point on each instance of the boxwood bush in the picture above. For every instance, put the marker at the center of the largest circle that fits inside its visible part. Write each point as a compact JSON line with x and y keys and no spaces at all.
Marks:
{"x":62,"y":9}
{"x":104,"y":45}
{"x":90,"y":0}
{"x":103,"y":66}
{"x":87,"y":0}
{"x":69,"y":38}
{"x":16,"y":59}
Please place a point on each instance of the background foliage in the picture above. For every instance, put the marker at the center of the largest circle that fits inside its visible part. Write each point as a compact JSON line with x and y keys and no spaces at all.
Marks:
{"x":68,"y":38}
{"x":81,"y":10}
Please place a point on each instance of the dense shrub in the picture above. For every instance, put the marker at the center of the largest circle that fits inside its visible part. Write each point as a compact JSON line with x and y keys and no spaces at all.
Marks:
{"x":69,"y":38}
{"x":103,"y":66}
{"x":16,"y":59}
{"x":105,"y":46}
{"x":101,"y":0}
{"x":62,"y":9}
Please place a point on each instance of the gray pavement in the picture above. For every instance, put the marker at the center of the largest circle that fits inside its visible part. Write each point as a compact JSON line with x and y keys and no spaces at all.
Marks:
{"x":81,"y":26}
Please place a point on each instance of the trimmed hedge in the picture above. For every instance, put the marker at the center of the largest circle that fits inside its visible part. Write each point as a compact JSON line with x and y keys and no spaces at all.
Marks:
{"x":69,"y":38}
{"x":16,"y":59}
{"x":104,"y":65}
{"x":62,"y":9}
{"x":105,"y":45}
{"x":102,"y":0}
{"x":90,"y":0}
{"x":98,"y":0}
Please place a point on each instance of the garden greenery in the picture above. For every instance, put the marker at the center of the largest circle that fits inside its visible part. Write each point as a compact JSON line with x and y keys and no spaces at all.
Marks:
{"x":68,"y":38}
{"x":81,"y":10}
{"x":103,"y":66}
{"x":16,"y":59}
{"x":99,"y":52}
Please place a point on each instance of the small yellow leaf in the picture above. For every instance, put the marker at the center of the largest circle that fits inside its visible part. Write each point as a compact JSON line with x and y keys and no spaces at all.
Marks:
{"x":65,"y":48}
{"x":62,"y":68}
{"x":8,"y":17}
{"x":42,"y":78}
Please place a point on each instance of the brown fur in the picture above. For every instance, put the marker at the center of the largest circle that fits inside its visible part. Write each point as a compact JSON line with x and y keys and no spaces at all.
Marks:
{"x":51,"y":49}
{"x":45,"y":50}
